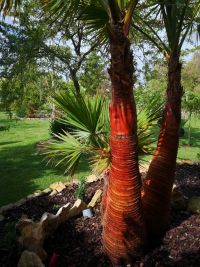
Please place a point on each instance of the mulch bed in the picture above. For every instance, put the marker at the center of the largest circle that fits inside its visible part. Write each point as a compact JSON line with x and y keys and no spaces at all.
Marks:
{"x":78,"y":241}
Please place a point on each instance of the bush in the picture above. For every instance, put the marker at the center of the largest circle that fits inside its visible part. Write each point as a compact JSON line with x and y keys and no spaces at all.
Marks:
{"x":21,"y":111}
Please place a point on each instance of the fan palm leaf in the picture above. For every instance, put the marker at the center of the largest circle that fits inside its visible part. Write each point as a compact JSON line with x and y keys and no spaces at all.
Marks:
{"x":88,"y":117}
{"x":67,"y":151}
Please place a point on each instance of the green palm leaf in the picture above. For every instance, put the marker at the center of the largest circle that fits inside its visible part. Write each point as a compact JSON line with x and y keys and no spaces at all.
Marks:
{"x":67,"y":151}
{"x":89,"y":119}
{"x":7,"y":5}
{"x":87,"y":116}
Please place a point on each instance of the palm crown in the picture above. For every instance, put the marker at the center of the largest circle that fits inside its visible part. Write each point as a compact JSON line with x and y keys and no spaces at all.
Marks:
{"x":179,"y":18}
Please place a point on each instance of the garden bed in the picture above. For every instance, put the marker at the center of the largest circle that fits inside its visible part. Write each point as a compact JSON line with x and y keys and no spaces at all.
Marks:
{"x":78,"y":241}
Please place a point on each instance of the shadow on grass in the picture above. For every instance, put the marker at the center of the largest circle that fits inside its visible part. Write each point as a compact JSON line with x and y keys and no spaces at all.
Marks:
{"x":23,"y":171}
{"x":195,"y":137}
{"x":9,"y":143}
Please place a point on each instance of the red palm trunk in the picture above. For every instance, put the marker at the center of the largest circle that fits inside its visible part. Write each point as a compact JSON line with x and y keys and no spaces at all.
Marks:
{"x":156,"y":195}
{"x":123,"y":227}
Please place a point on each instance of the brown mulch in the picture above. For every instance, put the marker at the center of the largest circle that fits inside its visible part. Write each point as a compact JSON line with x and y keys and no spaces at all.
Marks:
{"x":78,"y":241}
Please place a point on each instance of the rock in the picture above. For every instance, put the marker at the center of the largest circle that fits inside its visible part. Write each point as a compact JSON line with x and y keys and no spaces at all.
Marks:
{"x":77,"y":208}
{"x":49,"y":223}
{"x":7,"y":207}
{"x":178,"y":200}
{"x":92,"y":178}
{"x":23,"y":222}
{"x":1,"y":218}
{"x":32,"y":236}
{"x":31,"y":196}
{"x":29,"y":259}
{"x":194,"y":205}
{"x":47,"y":191}
{"x":20,"y":202}
{"x":63,"y":213}
{"x":96,"y":198}
{"x":53,"y":193}
{"x":58,"y":186}
{"x":38,"y":193}
{"x":67,"y":184}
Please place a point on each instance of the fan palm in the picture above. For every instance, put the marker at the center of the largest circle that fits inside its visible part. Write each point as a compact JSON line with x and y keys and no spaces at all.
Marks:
{"x":88,"y":125}
{"x":179,"y":19}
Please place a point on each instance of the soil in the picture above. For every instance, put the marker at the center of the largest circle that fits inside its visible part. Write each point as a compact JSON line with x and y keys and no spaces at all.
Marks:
{"x":78,"y":241}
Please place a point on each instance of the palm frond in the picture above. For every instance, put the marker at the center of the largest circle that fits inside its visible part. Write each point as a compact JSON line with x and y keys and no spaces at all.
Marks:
{"x":86,"y":116}
{"x":7,"y":5}
{"x":129,"y":14}
{"x":177,"y":17}
{"x":147,"y":120}
{"x":66,"y":151}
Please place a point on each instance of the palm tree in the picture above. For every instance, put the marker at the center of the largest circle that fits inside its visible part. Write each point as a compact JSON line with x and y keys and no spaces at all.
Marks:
{"x":179,"y":19}
{"x":123,"y":223}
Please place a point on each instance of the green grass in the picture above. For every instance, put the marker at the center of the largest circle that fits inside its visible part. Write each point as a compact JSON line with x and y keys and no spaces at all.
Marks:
{"x":185,"y":152}
{"x":22,"y":169}
{"x":191,"y":152}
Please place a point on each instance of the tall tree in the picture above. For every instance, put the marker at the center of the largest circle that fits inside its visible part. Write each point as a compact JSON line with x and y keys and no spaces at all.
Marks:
{"x":179,"y":18}
{"x":123,"y":225}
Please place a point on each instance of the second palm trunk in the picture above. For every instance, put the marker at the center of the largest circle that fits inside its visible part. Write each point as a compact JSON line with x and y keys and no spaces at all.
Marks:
{"x":157,"y":188}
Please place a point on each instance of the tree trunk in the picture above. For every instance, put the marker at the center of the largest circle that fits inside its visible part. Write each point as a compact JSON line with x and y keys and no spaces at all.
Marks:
{"x":123,"y":226}
{"x":157,"y":188}
{"x":75,"y":81}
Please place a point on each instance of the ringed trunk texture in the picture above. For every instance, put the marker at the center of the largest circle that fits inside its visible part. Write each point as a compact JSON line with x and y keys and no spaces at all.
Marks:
{"x":157,"y":188}
{"x":123,"y":224}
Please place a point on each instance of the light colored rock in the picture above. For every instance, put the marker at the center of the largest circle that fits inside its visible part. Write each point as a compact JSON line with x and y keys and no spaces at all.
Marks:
{"x":92,"y":178}
{"x":31,"y":196}
{"x":30,"y":259}
{"x":1,"y":218}
{"x":47,"y":191}
{"x":58,"y":186}
{"x":7,"y":207}
{"x":67,"y":183}
{"x":96,"y":198}
{"x":63,"y":213}
{"x":20,"y":202}
{"x":77,"y":208}
{"x":194,"y":204}
{"x":49,"y":223}
{"x":32,"y":236}
{"x":53,"y":193}
{"x":23,"y":222}
{"x":38,"y":193}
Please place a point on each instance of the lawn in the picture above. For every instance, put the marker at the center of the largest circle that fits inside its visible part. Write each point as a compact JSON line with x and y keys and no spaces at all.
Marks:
{"x":22,"y":169}
{"x":191,"y":152}
{"x":186,"y":152}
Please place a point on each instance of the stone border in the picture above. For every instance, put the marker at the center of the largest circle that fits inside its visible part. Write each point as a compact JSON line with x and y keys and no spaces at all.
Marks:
{"x":52,"y":190}
{"x":33,"y":234}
